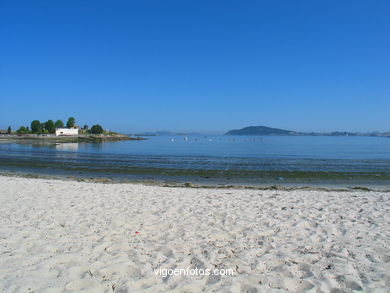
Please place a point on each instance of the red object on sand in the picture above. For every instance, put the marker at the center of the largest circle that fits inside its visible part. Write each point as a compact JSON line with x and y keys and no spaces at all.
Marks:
{"x":137,"y":232}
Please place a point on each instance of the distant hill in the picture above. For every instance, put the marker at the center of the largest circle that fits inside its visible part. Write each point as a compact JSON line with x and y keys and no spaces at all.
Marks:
{"x":259,"y":130}
{"x":264,"y":130}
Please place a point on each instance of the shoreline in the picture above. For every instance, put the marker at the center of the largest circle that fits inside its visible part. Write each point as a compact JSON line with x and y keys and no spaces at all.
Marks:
{"x":66,"y":139}
{"x":110,"y":170}
{"x":195,"y":185}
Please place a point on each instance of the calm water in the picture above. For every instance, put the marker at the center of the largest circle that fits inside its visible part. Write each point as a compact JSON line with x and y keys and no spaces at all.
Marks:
{"x":229,"y":157}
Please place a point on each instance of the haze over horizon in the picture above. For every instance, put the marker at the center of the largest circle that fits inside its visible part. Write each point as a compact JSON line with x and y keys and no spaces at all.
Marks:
{"x":197,"y":66}
{"x":223,"y":132}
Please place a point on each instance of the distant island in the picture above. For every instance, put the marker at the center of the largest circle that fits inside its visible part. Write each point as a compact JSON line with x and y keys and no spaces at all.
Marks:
{"x":259,"y":130}
{"x":264,"y":130}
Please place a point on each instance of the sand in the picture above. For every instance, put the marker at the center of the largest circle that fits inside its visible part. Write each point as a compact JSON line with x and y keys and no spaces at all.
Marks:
{"x":68,"y":236}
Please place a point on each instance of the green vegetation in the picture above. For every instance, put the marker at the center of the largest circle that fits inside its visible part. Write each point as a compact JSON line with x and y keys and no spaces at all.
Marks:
{"x":22,"y":130}
{"x":36,"y":127}
{"x":259,"y":130}
{"x":94,"y":134}
{"x":50,"y":126}
{"x":270,"y":176}
{"x":71,"y":122}
{"x":59,"y":124}
{"x":96,"y":129}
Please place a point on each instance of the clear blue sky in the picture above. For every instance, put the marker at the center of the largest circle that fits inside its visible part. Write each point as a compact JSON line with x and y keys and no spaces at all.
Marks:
{"x":197,"y":65}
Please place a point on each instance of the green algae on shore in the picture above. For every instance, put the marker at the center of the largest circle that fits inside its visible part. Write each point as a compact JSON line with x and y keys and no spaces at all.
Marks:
{"x":113,"y":170}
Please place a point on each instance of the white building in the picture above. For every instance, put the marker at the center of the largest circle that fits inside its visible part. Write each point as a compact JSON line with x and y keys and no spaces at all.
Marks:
{"x":67,"y":131}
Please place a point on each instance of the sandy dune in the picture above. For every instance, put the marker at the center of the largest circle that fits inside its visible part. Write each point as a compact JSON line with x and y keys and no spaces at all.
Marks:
{"x":64,"y":236}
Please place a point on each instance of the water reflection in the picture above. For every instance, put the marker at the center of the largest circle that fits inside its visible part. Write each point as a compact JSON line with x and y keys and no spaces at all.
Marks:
{"x":69,"y":146}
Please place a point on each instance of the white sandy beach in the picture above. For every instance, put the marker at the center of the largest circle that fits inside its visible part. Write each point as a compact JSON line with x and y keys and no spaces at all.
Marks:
{"x":67,"y":236}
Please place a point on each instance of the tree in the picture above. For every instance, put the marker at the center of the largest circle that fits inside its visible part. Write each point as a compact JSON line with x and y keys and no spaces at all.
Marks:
{"x":71,"y":122}
{"x":22,"y":130}
{"x":59,"y":124}
{"x":96,"y":129}
{"x":49,"y":126}
{"x":85,"y":127}
{"x":9,"y":130}
{"x":36,"y":126}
